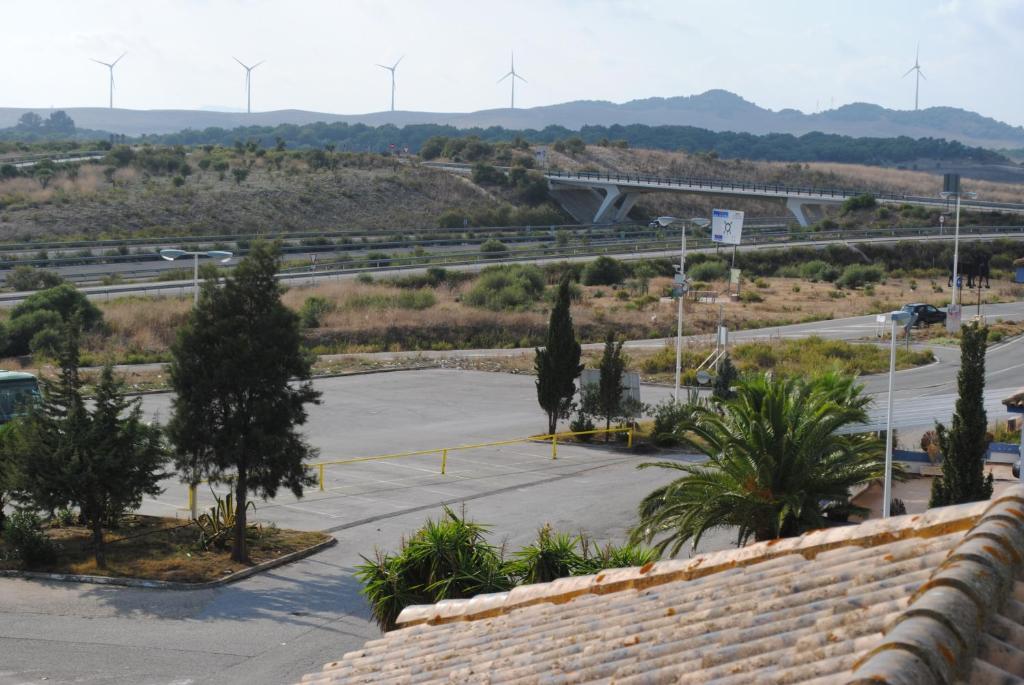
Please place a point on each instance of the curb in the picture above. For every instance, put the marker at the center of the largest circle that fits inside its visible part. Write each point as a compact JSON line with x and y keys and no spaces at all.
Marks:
{"x":168,"y":584}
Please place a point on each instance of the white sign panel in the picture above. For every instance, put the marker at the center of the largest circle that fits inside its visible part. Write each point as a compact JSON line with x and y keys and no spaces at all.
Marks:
{"x":726,"y":226}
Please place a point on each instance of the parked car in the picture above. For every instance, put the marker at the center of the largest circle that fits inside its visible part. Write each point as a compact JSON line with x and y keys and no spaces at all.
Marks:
{"x":926,"y":314}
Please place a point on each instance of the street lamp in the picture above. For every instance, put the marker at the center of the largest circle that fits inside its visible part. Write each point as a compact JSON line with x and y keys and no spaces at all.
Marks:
{"x":903,"y":318}
{"x":951,"y":188}
{"x":699,"y":222}
{"x":170,"y":255}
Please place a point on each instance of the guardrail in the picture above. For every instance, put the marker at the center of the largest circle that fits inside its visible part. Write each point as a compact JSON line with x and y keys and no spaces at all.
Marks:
{"x":442,"y":452}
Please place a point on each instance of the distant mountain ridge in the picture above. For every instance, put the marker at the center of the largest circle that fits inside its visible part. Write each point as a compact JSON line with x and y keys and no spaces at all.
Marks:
{"x":716,"y":110}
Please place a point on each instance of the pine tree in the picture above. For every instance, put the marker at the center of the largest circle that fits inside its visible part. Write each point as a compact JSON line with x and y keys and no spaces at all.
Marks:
{"x":101,"y":460}
{"x":242,"y":383}
{"x":558,"y":363}
{"x":609,"y":392}
{"x":724,"y":380}
{"x":963,"y":445}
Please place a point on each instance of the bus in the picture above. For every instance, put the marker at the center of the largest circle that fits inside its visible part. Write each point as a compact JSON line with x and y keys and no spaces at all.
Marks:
{"x":17,"y":391}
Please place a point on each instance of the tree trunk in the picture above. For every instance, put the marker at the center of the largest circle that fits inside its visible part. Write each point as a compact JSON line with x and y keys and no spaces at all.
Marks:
{"x":607,"y":427}
{"x":239,"y":551}
{"x":97,"y":544}
{"x":552,"y":423}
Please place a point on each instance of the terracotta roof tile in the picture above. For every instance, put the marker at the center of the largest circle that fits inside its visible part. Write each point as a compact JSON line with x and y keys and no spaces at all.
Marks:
{"x":914,"y":599}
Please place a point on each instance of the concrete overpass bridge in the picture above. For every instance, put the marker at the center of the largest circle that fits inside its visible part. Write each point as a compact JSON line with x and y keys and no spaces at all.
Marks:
{"x":611,"y":196}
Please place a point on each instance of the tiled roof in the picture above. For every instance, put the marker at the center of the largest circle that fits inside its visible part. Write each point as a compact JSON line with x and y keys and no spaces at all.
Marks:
{"x":931,"y":598}
{"x":1016,"y":400}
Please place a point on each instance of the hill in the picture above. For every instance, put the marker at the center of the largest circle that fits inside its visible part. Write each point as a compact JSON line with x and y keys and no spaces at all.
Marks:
{"x":716,"y":110}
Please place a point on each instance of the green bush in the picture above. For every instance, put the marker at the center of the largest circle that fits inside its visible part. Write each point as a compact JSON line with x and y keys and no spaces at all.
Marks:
{"x":750,"y":296}
{"x":25,"y":541}
{"x":313,"y":311}
{"x":445,"y":559}
{"x":494,"y":249}
{"x":553,"y":555}
{"x":708,"y":271}
{"x":23,"y":278}
{"x":817,"y":269}
{"x":857,"y":275}
{"x":45,"y":311}
{"x":507,"y":287}
{"x":603,"y":271}
{"x":864,"y":201}
{"x":411,"y":299}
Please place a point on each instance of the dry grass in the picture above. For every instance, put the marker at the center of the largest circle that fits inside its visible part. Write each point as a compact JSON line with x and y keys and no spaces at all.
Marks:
{"x":164,"y":549}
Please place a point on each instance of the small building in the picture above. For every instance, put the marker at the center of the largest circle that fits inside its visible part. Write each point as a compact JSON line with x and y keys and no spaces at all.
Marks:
{"x":1018,"y":273}
{"x":930,"y":598}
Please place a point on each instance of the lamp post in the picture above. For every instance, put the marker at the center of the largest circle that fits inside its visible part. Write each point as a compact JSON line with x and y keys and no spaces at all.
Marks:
{"x":951,"y":188}
{"x":699,"y":222}
{"x":897,"y":317}
{"x":221,"y":255}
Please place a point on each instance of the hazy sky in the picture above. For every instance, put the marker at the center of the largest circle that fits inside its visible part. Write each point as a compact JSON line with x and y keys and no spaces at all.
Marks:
{"x":320,"y":54}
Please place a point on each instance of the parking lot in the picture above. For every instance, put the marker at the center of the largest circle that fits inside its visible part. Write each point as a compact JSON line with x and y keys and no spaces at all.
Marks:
{"x":276,"y":626}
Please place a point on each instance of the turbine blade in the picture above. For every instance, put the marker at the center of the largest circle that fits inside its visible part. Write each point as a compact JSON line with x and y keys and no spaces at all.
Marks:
{"x":384,"y":66}
{"x":119,"y":58}
{"x":921,"y":74}
{"x":99,"y":62}
{"x":257,"y":64}
{"x":520,"y":78}
{"x":909,"y":71}
{"x":511,"y":73}
{"x":396,"y":63}
{"x":241,"y":62}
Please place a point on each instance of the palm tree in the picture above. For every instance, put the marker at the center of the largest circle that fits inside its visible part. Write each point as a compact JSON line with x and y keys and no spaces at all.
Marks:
{"x":779,"y":462}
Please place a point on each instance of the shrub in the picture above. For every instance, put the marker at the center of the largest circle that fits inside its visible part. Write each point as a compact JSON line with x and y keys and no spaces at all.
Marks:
{"x":708,"y":271}
{"x":414,"y":299}
{"x":445,"y":559}
{"x":750,"y":296}
{"x":365,"y":279}
{"x":818,"y":270}
{"x":603,"y":271}
{"x":23,"y":278}
{"x":857,"y":275}
{"x":494,"y":249}
{"x":35,"y":323}
{"x":26,"y":542}
{"x":507,"y":287}
{"x":853,"y":204}
{"x":553,"y":555}
{"x":667,"y":418}
{"x":313,"y":311}
{"x":581,"y":423}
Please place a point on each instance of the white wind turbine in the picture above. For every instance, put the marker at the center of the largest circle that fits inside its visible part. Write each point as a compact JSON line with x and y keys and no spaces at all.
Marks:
{"x":514,"y":75}
{"x":248,"y":82}
{"x":110,"y":66}
{"x":392,"y":70}
{"x":920,"y":75}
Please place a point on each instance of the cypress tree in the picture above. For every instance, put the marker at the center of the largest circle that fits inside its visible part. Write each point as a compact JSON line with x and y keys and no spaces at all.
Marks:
{"x":963,"y":445}
{"x":724,"y":380}
{"x":558,"y":363}
{"x":609,"y":390}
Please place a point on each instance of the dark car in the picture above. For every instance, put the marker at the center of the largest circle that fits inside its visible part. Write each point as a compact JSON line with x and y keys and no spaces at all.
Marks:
{"x":926,"y":313}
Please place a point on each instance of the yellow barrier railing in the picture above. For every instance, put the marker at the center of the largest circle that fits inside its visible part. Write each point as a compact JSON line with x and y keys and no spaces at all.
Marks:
{"x":443,"y":452}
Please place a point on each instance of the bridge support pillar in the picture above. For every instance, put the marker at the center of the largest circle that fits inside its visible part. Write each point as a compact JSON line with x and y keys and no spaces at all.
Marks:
{"x":611,"y":195}
{"x":796,"y":208}
{"x":627,"y":204}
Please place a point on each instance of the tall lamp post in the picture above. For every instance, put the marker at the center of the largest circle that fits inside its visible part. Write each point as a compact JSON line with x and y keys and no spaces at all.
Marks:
{"x":220,"y":255}
{"x":951,"y":188}
{"x":902,"y":318}
{"x":681,"y":286}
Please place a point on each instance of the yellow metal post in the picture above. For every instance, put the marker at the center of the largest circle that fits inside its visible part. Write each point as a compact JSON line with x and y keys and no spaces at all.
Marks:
{"x":444,"y":461}
{"x":554,"y":447}
{"x":321,"y":469}
{"x":629,"y":439}
{"x":192,"y":504}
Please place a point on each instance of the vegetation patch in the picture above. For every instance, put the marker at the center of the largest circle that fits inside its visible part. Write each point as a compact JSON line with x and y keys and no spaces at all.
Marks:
{"x":153,"y":548}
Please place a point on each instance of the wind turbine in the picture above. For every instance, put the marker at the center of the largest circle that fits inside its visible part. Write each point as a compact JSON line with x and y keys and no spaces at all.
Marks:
{"x":920,"y":74}
{"x":514,"y":75}
{"x":110,"y":66}
{"x":392,"y":70}
{"x":248,"y":82}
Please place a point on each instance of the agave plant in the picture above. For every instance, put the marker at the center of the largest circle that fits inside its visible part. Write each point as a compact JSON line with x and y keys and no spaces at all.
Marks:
{"x":553,"y":555}
{"x":217,"y":526}
{"x":779,"y":462}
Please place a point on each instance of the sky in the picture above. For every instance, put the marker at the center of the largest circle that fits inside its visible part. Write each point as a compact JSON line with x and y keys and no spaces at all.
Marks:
{"x":320,"y":55}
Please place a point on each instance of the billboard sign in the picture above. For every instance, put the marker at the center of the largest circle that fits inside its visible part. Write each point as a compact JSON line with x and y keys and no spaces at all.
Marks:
{"x":726,"y":226}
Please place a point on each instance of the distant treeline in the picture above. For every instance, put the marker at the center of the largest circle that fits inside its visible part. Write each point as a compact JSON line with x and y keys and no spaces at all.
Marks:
{"x":780,"y":147}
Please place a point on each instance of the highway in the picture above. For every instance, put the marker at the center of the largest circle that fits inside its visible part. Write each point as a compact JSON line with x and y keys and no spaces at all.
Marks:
{"x":475,"y":261}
